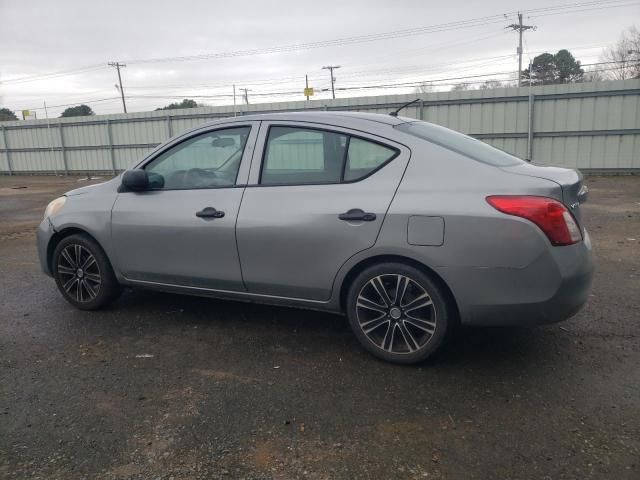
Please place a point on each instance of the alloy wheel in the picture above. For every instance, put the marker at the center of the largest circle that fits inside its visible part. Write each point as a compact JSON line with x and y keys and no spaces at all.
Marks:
{"x":396,"y":313}
{"x":79,"y":273}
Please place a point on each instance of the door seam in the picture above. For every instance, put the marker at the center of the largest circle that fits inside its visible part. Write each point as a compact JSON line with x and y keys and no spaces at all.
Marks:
{"x":335,"y":278}
{"x":235,"y":227}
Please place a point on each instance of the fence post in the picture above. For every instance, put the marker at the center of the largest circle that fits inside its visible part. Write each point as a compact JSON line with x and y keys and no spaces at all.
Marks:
{"x":111,"y":152}
{"x":51,"y":151}
{"x":64,"y":152}
{"x":530,"y":128}
{"x":6,"y":150}
{"x":169,"y":127}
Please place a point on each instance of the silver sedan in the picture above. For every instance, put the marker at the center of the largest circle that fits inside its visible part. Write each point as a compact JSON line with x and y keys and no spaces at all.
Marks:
{"x":406,"y":227}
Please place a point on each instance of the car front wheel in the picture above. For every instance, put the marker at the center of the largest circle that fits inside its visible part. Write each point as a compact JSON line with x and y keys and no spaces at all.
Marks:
{"x":398,"y":313}
{"x":83,"y":273}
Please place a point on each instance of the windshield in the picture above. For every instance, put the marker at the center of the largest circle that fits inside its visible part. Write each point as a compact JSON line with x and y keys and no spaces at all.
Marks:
{"x":460,"y":143}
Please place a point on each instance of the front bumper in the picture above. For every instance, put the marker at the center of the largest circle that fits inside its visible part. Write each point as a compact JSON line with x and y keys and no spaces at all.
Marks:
{"x":551,"y":289}
{"x":43,"y":236}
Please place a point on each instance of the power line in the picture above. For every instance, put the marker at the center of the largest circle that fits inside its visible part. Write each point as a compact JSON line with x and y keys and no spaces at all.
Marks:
{"x":47,"y":76}
{"x":422,"y":78}
{"x":600,"y":7}
{"x":297,"y":92}
{"x":438,"y":82}
{"x":472,"y":63}
{"x":571,"y":6}
{"x":584,"y":6}
{"x":467,"y":64}
{"x":86,"y":102}
{"x":480,"y":21}
{"x":441,"y":82}
{"x":473,"y":22}
{"x":475,"y":39}
{"x":297,"y":78}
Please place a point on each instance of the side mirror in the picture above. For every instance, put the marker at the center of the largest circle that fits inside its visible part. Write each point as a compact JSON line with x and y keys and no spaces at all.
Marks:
{"x":135,"y":180}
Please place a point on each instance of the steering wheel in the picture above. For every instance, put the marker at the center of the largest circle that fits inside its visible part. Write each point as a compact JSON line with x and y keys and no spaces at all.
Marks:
{"x":198,"y":177}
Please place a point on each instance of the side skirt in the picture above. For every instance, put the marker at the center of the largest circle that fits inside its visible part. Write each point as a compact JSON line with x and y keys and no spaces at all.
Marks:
{"x":319,"y":305}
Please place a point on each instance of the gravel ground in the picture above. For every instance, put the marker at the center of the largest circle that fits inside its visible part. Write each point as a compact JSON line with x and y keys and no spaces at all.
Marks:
{"x":168,"y":386}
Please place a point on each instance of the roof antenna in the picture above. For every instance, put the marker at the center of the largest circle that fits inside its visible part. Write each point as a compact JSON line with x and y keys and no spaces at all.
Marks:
{"x":395,"y":112}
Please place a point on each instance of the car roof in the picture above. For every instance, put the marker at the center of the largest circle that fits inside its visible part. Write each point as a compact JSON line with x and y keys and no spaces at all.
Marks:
{"x":327,"y":117}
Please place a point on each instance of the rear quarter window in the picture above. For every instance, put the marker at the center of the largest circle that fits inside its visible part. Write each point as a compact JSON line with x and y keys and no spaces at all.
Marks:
{"x":460,"y":143}
{"x":364,"y":157}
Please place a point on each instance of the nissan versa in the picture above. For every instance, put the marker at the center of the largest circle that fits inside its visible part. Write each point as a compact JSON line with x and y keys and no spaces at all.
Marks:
{"x":404,"y":226}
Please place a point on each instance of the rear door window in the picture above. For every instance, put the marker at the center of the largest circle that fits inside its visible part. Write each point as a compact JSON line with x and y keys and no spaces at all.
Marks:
{"x":299,"y":156}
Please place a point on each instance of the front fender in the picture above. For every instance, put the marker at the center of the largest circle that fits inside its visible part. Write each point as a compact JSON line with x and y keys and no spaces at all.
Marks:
{"x":90,"y":212}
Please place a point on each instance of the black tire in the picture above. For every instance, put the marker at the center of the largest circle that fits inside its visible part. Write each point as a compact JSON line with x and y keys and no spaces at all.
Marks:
{"x":417,"y":339}
{"x":86,"y":284}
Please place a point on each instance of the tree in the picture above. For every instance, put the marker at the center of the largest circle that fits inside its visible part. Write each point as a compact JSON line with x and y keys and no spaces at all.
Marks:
{"x":547,"y":69}
{"x":7,"y":115}
{"x":79,"y":111}
{"x":186,"y":103}
{"x":459,"y":87}
{"x":424,"y":87}
{"x":541,"y":70}
{"x":489,"y":84}
{"x":626,"y":55}
{"x":486,"y":85}
{"x":595,"y":75}
{"x":568,"y":69}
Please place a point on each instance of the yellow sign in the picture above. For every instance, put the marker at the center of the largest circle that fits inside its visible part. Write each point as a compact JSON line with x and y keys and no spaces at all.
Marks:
{"x":308,"y":92}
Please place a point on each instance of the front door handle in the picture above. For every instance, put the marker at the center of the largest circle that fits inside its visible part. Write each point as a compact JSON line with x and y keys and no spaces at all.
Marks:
{"x":356,"y":214}
{"x":210,"y":212}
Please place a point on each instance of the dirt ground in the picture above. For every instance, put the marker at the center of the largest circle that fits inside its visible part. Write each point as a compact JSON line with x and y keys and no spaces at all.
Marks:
{"x":174,"y":387}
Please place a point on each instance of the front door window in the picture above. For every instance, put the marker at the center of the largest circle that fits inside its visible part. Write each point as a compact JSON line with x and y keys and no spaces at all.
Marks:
{"x":205,"y":161}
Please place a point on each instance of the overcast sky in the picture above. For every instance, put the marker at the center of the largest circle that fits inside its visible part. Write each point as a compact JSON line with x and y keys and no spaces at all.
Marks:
{"x":40,"y":37}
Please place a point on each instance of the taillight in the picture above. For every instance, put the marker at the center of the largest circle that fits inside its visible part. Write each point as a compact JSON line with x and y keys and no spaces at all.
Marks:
{"x":553,"y":218}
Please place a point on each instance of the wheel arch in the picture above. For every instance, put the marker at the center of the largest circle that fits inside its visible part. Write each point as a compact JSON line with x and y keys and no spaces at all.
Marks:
{"x":61,"y":235}
{"x":386,"y":258}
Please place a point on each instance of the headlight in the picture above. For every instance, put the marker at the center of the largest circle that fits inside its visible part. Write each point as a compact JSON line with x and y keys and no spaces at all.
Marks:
{"x":55,"y":206}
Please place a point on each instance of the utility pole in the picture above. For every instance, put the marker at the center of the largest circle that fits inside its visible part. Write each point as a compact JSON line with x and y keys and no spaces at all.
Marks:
{"x":246,"y":95}
{"x":520,"y":28}
{"x":118,"y":65}
{"x":331,"y":68}
{"x":234,"y":100}
{"x":306,"y":84}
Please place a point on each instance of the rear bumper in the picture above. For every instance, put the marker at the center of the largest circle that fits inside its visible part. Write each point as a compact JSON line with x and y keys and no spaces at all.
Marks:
{"x":551,"y":289}
{"x":43,"y":236}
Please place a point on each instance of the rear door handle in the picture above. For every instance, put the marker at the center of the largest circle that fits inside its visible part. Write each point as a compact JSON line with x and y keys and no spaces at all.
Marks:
{"x":356,"y":214}
{"x":210,"y":212}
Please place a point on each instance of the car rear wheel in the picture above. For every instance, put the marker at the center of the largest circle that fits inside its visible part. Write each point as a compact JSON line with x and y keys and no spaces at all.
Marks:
{"x":83,"y":273}
{"x":398,"y":313}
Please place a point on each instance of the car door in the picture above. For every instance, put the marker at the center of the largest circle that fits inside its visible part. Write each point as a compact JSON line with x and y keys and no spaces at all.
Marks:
{"x":181,"y":231}
{"x":318,"y":197}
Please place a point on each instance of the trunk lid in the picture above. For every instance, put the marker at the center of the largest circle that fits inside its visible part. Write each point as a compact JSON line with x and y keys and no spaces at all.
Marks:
{"x":571,"y":182}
